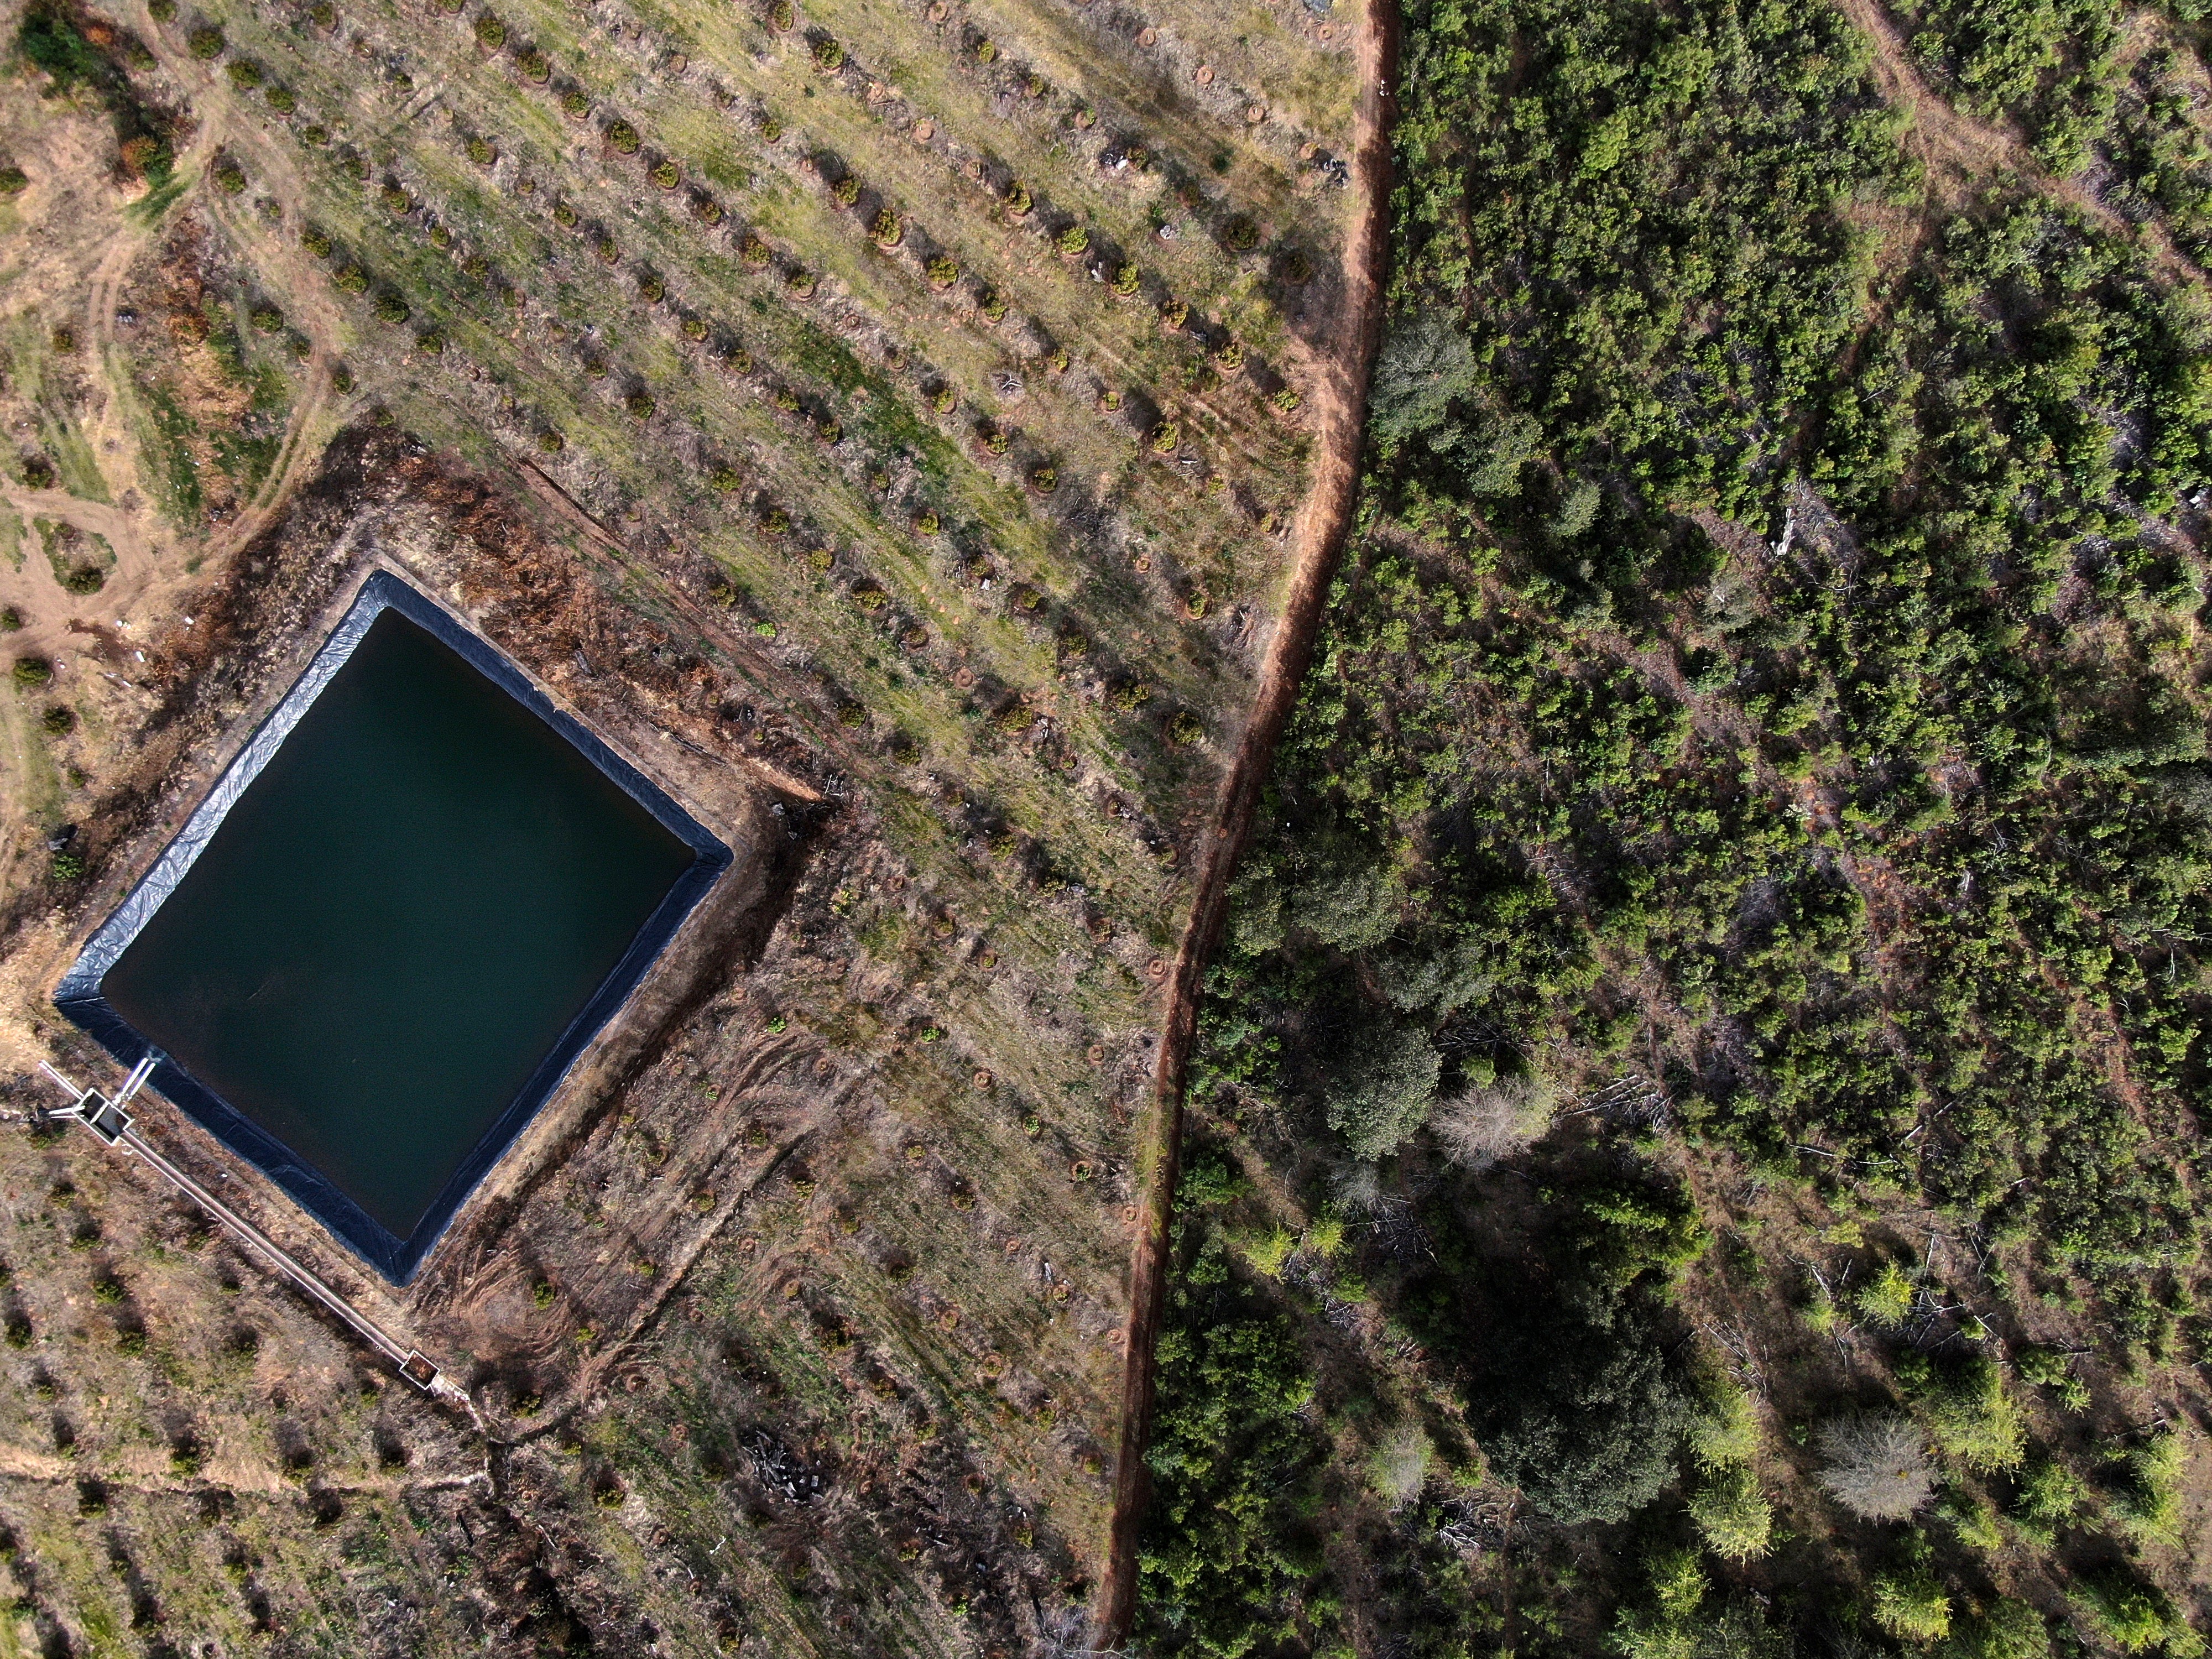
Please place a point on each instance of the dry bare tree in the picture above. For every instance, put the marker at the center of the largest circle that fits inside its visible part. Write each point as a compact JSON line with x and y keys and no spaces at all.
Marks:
{"x":1494,"y":1120}
{"x":1878,"y":1466}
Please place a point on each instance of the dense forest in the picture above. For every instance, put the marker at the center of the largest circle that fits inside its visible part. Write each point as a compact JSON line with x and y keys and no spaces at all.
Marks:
{"x":1694,"y":1148}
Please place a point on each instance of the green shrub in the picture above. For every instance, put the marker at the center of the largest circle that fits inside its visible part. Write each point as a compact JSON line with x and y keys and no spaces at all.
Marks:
{"x":1724,"y":1433}
{"x":205,"y":43}
{"x":2049,"y":1496}
{"x":244,"y":74}
{"x":1972,"y":1520}
{"x":1398,"y":1468}
{"x":2147,"y":1505}
{"x":2006,"y":1629}
{"x":1222,"y":1551}
{"x":2135,"y":1616}
{"x":1911,"y":1605}
{"x":1968,"y":1412}
{"x":1667,"y":1629}
{"x":1732,"y":1514}
{"x":32,"y":673}
{"x":1268,"y":1251}
{"x":490,"y":32}
{"x":1886,"y":1301}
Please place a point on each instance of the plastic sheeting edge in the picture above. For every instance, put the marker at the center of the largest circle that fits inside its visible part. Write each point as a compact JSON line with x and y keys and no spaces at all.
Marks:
{"x":80,"y":999}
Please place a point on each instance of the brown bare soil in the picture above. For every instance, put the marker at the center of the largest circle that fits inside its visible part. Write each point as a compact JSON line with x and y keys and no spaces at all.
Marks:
{"x":1338,"y":399}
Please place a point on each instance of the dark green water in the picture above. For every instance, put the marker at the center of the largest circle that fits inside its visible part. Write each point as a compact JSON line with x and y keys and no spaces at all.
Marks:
{"x":397,"y":922}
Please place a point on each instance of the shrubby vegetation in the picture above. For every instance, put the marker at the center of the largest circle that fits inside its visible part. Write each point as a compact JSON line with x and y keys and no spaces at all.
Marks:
{"x":1227,"y":1553}
{"x":52,"y":40}
{"x":1758,"y":741}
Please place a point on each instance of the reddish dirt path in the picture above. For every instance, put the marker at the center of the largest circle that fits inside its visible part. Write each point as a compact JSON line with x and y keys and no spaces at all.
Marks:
{"x":1338,"y":400}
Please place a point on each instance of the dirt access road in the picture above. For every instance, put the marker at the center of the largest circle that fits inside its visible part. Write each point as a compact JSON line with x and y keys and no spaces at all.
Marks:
{"x":1338,"y":400}
{"x":147,"y":577}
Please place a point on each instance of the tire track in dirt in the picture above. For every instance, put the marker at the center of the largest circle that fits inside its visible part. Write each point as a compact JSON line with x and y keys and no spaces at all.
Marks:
{"x":219,"y":127}
{"x":1976,"y":148}
{"x":1338,"y":398}
{"x":225,"y":125}
{"x":132,"y":238}
{"x":49,"y":611}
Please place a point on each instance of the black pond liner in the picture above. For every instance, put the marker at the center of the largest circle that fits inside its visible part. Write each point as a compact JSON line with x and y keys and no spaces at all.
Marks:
{"x":80,"y":995}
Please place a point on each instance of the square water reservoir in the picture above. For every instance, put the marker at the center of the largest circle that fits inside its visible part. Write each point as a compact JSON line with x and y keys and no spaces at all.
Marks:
{"x":399,"y":916}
